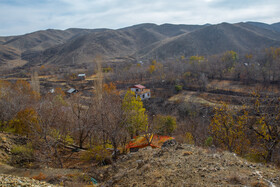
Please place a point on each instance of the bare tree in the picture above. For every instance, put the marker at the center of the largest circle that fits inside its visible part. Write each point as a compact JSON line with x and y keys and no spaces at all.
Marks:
{"x":35,"y":82}
{"x":82,"y":118}
{"x":50,"y":129}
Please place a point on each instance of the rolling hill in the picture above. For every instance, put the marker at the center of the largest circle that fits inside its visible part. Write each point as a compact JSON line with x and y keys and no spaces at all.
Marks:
{"x":143,"y":41}
{"x":275,"y":26}
{"x":8,"y":53}
{"x":213,"y":39}
{"x":42,"y":40}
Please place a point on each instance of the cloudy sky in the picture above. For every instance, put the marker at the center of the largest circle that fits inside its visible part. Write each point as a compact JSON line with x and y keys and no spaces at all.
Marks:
{"x":23,"y":16}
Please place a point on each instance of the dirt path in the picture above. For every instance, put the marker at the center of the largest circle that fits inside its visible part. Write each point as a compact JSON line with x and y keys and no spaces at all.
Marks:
{"x":25,"y":172}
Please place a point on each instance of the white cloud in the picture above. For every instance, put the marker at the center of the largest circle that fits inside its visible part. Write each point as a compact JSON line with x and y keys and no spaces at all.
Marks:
{"x":35,"y":15}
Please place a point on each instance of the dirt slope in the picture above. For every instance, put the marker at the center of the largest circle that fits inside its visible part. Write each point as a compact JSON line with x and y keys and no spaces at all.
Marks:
{"x":186,"y":165}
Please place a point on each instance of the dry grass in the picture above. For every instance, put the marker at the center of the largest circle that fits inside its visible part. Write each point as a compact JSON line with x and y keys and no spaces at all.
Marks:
{"x":194,"y":97}
{"x":15,"y":63}
{"x":236,"y":86}
{"x":92,"y":77}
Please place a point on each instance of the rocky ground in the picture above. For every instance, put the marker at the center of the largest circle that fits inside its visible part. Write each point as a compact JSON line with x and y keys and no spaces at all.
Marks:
{"x":187,"y":165}
{"x":11,"y":181}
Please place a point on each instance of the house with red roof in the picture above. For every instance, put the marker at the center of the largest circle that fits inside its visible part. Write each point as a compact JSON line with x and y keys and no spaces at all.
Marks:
{"x":141,"y":91}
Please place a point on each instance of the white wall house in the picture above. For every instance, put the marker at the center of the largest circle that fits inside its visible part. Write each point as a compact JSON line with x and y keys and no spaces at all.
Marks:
{"x":141,"y":91}
{"x":82,"y":76}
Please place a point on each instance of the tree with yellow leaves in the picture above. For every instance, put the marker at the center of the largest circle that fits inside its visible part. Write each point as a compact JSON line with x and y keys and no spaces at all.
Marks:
{"x":266,"y":123}
{"x":135,"y":115}
{"x":196,"y":59}
{"x":23,"y":120}
{"x":228,"y":129}
{"x":110,"y":89}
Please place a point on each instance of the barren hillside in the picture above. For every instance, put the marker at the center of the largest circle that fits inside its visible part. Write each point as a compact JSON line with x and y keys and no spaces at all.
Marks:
{"x":144,"y":41}
{"x":214,"y":39}
{"x":172,"y":165}
{"x":187,"y":165}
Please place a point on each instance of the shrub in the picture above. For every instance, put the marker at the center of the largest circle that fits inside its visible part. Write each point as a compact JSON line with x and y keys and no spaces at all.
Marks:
{"x":255,"y":157}
{"x":98,"y":154}
{"x":65,"y":138}
{"x":178,"y":88}
{"x":209,"y":141}
{"x":106,"y":70}
{"x":41,"y":176}
{"x":165,"y":125}
{"x":189,"y":138}
{"x":4,"y":127}
{"x":22,"y":155}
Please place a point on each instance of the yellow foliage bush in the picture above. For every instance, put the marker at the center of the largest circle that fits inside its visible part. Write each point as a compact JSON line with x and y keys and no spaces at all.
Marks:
{"x":22,"y":155}
{"x":98,"y":154}
{"x":189,"y":138}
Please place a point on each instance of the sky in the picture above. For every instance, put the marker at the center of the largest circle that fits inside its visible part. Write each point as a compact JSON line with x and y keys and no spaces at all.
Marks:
{"x":25,"y":16}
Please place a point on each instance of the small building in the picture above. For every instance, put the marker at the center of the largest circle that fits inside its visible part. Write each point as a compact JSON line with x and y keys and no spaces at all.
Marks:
{"x":52,"y":90}
{"x":141,"y":91}
{"x":72,"y":90}
{"x":140,"y":62}
{"x":82,"y":76}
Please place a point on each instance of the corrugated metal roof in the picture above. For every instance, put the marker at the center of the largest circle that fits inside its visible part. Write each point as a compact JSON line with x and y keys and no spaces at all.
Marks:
{"x":71,"y":90}
{"x":81,"y":75}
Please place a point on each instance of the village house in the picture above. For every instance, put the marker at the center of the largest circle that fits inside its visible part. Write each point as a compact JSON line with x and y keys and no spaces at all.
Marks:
{"x":141,"y":91}
{"x":82,"y":76}
{"x":72,"y":90}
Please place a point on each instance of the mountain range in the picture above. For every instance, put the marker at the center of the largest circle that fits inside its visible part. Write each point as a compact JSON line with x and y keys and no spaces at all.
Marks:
{"x":140,"y":42}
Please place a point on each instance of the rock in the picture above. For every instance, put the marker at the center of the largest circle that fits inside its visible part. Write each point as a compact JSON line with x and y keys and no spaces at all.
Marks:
{"x":187,"y":153}
{"x":159,"y":153}
{"x":146,"y":168}
{"x":169,"y":143}
{"x":178,"y":147}
{"x":140,"y":163}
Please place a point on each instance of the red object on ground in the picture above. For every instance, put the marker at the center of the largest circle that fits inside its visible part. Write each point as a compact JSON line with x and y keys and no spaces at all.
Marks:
{"x":155,"y":141}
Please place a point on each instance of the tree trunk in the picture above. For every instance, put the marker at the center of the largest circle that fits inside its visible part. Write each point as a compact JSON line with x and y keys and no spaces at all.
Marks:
{"x":81,"y":141}
{"x":58,"y":157}
{"x":269,"y":156}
